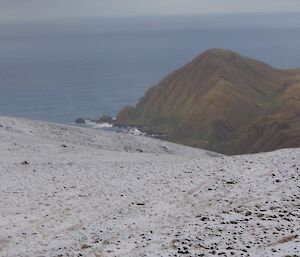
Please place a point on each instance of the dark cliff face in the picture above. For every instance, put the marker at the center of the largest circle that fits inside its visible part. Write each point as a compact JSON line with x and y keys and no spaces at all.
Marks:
{"x":224,"y":102}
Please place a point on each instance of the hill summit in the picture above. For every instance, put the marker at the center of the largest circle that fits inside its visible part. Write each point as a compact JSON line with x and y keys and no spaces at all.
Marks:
{"x":225,"y":102}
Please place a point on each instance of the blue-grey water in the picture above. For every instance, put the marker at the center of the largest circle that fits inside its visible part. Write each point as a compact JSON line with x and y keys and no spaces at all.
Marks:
{"x":64,"y":69}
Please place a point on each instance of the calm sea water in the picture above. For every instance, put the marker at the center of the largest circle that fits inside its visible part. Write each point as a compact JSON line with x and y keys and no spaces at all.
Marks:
{"x":62,"y":70}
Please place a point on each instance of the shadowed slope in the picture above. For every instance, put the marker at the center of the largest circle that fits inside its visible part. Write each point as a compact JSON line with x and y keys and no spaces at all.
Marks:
{"x":222,"y":101}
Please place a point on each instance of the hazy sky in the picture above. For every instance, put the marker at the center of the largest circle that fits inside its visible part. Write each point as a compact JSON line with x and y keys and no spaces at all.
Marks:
{"x":37,"y":9}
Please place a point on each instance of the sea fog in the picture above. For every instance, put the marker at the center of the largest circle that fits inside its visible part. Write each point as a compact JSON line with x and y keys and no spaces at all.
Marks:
{"x":64,"y":69}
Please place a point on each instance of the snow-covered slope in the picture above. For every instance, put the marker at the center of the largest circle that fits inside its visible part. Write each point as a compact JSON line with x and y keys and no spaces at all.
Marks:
{"x":68,"y":191}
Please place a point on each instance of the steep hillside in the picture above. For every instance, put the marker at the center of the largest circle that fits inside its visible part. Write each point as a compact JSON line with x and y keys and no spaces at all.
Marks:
{"x":221,"y":101}
{"x":68,"y":191}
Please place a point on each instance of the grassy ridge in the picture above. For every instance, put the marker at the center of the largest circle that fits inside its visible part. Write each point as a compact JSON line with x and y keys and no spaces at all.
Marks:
{"x":224,"y":102}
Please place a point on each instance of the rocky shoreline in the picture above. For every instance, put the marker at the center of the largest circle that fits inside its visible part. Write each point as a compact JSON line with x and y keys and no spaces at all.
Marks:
{"x":108,"y":123}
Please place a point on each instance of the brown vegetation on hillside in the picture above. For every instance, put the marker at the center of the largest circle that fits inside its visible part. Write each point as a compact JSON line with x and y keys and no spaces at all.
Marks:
{"x":225,"y":102}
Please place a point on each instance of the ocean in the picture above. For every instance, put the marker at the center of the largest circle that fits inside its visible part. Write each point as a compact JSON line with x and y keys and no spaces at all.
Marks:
{"x":65,"y":69}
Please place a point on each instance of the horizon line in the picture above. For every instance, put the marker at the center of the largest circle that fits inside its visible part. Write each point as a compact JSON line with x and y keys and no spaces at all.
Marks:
{"x":71,"y":18}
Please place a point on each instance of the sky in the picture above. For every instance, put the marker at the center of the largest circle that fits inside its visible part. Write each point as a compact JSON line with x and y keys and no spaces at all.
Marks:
{"x":52,"y":9}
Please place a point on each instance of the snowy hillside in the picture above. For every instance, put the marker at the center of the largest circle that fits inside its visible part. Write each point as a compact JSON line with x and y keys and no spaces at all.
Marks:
{"x":68,"y":191}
